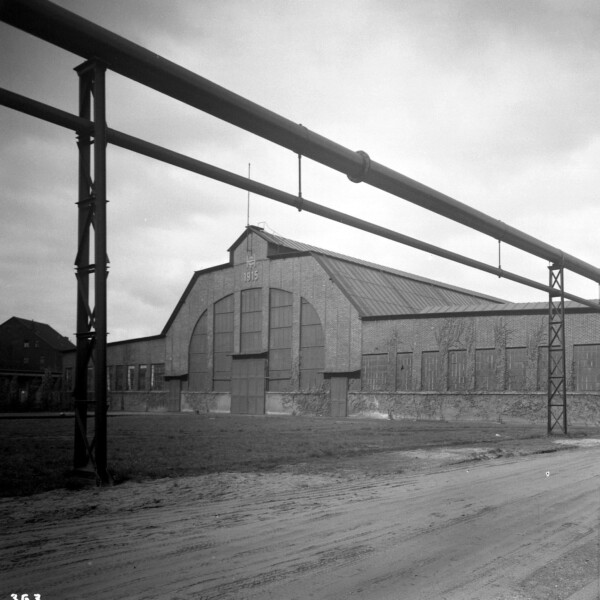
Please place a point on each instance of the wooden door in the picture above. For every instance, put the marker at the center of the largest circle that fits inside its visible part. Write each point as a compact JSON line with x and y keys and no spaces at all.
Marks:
{"x":248,"y":386}
{"x":174,"y":403}
{"x":339,"y":396}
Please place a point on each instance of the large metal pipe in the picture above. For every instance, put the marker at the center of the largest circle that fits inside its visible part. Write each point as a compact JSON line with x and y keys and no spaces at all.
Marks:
{"x":75,"y":34}
{"x":128,"y":142}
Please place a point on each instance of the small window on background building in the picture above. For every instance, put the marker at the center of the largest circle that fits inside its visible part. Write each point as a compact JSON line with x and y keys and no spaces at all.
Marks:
{"x":142,"y":377}
{"x":26,"y":344}
{"x":120,"y":378}
{"x":157,"y":377}
{"x":68,"y":383}
{"x":26,"y":360}
{"x":130,"y":377}
{"x":110,"y":378}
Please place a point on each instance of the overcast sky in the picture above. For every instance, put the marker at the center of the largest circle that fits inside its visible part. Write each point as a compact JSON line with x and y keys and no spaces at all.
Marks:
{"x":495,"y":103}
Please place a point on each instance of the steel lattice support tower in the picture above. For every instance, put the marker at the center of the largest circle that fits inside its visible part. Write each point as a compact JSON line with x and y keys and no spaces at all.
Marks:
{"x":557,"y":383}
{"x":91,"y":322}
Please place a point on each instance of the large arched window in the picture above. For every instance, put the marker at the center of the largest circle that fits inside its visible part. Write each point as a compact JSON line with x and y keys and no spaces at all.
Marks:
{"x":280,"y":340}
{"x":312,"y":348}
{"x":198,"y":376}
{"x":222,"y":344}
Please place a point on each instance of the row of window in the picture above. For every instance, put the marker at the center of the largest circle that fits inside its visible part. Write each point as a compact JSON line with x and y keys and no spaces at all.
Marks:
{"x":136,"y":377}
{"x":377,"y":371}
{"x":126,"y":377}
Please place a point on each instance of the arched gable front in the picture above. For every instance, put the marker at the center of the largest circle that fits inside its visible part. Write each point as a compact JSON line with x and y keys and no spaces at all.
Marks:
{"x":295,"y":355}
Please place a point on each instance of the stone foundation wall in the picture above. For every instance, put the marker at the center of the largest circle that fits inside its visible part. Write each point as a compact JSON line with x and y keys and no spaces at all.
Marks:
{"x":298,"y":403}
{"x":205,"y":402}
{"x":141,"y":402}
{"x":582,"y":409}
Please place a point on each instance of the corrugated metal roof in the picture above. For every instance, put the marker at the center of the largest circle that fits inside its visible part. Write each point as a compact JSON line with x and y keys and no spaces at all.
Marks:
{"x":378,"y":291}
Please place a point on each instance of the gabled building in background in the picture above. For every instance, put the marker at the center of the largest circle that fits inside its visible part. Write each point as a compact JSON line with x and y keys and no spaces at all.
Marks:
{"x":285,"y":327}
{"x":31,"y":358}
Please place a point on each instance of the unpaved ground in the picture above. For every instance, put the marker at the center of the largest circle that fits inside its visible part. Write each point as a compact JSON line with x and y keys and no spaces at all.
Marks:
{"x":446,"y":523}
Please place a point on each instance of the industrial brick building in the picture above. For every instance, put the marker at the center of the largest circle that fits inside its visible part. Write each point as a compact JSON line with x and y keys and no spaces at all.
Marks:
{"x":284,"y":327}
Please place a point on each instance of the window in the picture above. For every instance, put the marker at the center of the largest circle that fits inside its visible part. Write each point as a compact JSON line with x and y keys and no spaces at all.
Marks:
{"x":157,"y":377}
{"x":457,"y":370}
{"x":404,"y":371}
{"x":26,"y":360}
{"x":198,"y":377}
{"x":586,"y":367}
{"x":68,"y":381}
{"x":312,"y":348}
{"x":42,"y":361}
{"x":251,"y":323}
{"x":110,"y":378}
{"x":223,"y":344}
{"x":130,"y":377}
{"x":26,"y":344}
{"x":516,"y":360}
{"x":430,"y":370}
{"x":485,"y":369}
{"x":120,"y":378}
{"x":374,"y":372}
{"x":280,"y":340}
{"x":142,"y":377}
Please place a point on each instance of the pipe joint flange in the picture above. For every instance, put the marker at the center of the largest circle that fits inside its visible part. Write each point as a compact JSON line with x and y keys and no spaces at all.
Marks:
{"x":366,"y":167}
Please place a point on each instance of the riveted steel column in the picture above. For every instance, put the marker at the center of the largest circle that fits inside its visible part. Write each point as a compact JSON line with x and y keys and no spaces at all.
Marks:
{"x":557,"y":378}
{"x":91,"y":323}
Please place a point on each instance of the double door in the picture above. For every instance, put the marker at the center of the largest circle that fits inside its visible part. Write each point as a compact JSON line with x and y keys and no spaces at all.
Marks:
{"x":248,"y":376}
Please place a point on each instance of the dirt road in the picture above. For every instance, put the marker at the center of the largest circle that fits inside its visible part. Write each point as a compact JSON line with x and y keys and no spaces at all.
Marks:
{"x":509,"y":528}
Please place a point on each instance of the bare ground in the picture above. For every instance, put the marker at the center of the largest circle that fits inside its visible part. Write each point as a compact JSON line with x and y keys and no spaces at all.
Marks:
{"x":501,"y":522}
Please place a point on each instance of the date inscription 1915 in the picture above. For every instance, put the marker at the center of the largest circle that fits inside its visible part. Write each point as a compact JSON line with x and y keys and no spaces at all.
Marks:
{"x":251,"y":273}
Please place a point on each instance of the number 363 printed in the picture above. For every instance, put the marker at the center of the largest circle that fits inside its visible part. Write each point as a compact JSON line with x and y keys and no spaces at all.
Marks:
{"x":25,"y":597}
